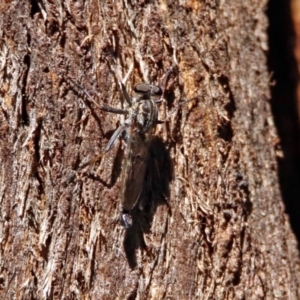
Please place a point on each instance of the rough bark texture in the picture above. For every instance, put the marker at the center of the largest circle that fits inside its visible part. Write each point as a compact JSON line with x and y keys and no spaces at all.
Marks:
{"x":215,"y":229}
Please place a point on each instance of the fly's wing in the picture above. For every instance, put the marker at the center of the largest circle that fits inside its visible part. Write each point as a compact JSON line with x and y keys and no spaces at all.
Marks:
{"x":134,"y":169}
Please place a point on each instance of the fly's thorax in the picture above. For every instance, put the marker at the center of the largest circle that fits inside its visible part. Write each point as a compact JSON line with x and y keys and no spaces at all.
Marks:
{"x":144,"y":105}
{"x":146,"y":115}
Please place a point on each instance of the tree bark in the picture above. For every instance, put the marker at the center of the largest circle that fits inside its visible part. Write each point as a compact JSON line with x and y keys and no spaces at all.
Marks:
{"x":212,"y":223}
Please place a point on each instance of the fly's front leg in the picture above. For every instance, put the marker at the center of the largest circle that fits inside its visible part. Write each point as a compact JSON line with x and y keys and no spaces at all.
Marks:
{"x":90,"y":98}
{"x":121,"y":82}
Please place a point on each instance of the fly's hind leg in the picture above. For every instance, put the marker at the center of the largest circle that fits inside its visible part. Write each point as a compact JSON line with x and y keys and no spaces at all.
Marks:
{"x":108,"y":147}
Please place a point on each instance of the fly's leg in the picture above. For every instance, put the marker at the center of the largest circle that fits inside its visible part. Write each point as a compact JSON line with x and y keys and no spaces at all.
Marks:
{"x":169,"y":115}
{"x":164,"y":82}
{"x":108,"y":147}
{"x":109,"y":109}
{"x":121,"y":82}
{"x":90,"y":98}
{"x":163,"y":85}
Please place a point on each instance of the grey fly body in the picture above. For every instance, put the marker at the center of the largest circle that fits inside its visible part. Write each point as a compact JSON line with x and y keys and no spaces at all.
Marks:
{"x":141,"y":118}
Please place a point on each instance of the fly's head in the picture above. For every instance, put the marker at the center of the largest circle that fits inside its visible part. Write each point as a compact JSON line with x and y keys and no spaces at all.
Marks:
{"x":143,"y":91}
{"x":144,"y":104}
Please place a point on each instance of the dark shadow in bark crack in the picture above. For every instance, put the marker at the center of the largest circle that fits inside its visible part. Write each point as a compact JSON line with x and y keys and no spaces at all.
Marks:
{"x":284,"y":105}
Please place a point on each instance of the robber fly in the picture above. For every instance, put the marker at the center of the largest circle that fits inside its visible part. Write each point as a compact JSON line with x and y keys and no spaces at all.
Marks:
{"x":139,"y":125}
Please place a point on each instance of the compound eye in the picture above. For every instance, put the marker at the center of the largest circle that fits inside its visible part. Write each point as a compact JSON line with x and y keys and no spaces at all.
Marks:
{"x":156,"y":90}
{"x":142,"y":88}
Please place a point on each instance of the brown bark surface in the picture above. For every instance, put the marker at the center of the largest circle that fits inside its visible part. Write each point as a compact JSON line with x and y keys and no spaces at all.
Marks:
{"x":213,"y":224}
